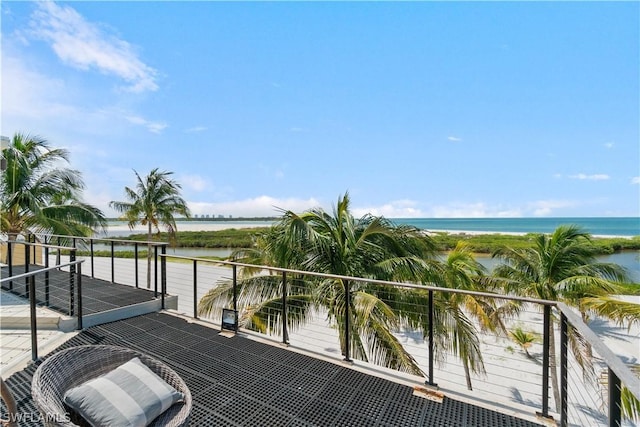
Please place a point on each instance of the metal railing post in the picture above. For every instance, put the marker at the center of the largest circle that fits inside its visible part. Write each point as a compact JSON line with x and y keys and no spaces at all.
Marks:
{"x":135,"y":256}
{"x":32,"y":311}
{"x":195,"y":289}
{"x":235,"y":288}
{"x":615,"y":399}
{"x":72,"y":278}
{"x":113,"y":274}
{"x":564,"y":371}
{"x":27,"y":261}
{"x":10,"y":262}
{"x":155,"y":271}
{"x":347,"y":321}
{"x":430,"y":381}
{"x":92,"y":256}
{"x":163,"y":272}
{"x":546,"y":342}
{"x":59,"y":254}
{"x":46,"y":277}
{"x":285,"y":332}
{"x":79,"y":325}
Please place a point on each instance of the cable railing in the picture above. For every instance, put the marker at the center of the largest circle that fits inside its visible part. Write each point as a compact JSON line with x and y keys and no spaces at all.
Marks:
{"x":36,"y":287}
{"x":517,"y":372}
{"x":91,"y":248}
{"x":518,"y":356}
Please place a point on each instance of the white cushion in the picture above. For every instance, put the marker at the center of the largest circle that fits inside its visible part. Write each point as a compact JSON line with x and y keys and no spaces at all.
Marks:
{"x":130,"y":395}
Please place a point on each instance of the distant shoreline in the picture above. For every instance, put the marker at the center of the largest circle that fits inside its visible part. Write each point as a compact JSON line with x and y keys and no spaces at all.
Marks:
{"x":120,"y":228}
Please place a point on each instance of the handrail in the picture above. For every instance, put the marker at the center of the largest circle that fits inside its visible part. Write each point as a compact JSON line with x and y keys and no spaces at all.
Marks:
{"x":146,"y":242}
{"x":40,"y":271}
{"x":375,"y":281}
{"x":42,"y":245}
{"x":31,"y":291}
{"x":613,"y":362}
{"x":619,"y":373}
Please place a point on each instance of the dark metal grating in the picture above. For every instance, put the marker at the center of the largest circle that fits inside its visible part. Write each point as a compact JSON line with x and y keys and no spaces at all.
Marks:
{"x":241,"y":382}
{"x":97,"y":295}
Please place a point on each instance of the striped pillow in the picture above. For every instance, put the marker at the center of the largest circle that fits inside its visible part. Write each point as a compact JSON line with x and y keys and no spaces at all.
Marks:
{"x":130,"y":395}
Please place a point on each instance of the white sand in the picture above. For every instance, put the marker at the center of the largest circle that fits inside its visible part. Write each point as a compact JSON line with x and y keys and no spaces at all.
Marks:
{"x":121,"y":229}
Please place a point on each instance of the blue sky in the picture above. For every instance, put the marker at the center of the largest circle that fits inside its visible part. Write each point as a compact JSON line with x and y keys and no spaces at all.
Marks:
{"x":431,"y":109}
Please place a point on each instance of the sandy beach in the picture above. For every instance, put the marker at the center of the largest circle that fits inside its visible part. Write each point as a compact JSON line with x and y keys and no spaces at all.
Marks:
{"x":121,"y":229}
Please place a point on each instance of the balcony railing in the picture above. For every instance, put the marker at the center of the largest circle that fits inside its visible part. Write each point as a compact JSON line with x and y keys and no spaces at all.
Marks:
{"x":516,"y":379}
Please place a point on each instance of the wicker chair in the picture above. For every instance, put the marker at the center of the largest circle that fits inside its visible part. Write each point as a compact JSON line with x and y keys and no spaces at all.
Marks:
{"x":74,"y":366}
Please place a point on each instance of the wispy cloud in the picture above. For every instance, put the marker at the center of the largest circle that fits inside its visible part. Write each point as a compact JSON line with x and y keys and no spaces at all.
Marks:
{"x":31,"y":94}
{"x":153,"y":127}
{"x":594,"y":177}
{"x":609,"y":145}
{"x":86,"y":45}
{"x":474,"y":210}
{"x":194,"y":182}
{"x":454,"y":138}
{"x":296,"y":129}
{"x":635,"y":180}
{"x":547,"y":207}
{"x":395,"y":209}
{"x":196,"y":129}
{"x":254,"y":207}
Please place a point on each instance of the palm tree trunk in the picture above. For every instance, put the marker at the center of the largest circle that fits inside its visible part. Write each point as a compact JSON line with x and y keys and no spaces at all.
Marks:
{"x":149,"y":256}
{"x":553,"y":371}
{"x":467,"y":374}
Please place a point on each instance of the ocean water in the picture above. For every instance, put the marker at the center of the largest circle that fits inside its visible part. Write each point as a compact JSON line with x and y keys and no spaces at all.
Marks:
{"x":625,"y":227}
{"x":611,"y":226}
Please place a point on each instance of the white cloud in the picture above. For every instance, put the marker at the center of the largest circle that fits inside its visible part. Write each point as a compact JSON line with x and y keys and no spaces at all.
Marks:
{"x":594,"y":177}
{"x":194,"y":182}
{"x":454,"y":139}
{"x":473,"y":210}
{"x":394,"y":209}
{"x":153,"y":127}
{"x":28,"y":94}
{"x":635,"y":180}
{"x":85,"y":45}
{"x":609,"y":145}
{"x":196,"y":129}
{"x":262,"y":206}
{"x":547,"y":207}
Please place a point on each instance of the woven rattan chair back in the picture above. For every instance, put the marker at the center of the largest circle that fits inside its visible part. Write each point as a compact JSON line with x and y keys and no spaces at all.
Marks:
{"x":74,"y":366}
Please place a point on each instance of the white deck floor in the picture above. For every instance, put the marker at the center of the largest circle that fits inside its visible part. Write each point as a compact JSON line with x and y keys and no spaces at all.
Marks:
{"x":15,"y":333}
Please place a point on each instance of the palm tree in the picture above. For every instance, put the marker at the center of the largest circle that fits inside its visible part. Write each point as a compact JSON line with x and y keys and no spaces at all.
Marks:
{"x":621,"y":311}
{"x":339,"y":244}
{"x":154,"y":202}
{"x":454,"y":313}
{"x":523,"y":338}
{"x":559,"y":267}
{"x":624,"y":313}
{"x":38,"y":195}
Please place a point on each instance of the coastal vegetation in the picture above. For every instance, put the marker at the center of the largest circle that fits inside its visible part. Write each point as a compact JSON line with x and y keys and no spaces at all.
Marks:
{"x":39,"y":195}
{"x":559,"y":267}
{"x":363,"y":314}
{"x":154,"y":203}
{"x":477,"y":243}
